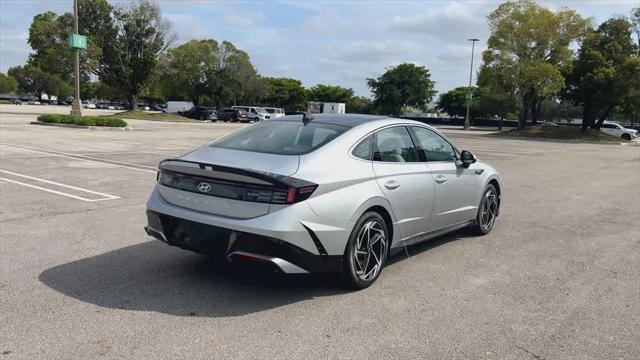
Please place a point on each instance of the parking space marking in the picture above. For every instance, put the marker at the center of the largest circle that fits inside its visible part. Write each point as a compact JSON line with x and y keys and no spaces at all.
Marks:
{"x":104,"y":196}
{"x":121,"y":164}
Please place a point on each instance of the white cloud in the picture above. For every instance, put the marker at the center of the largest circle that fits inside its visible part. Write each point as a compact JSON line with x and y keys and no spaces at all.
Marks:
{"x":247,"y":19}
{"x":456,"y":21}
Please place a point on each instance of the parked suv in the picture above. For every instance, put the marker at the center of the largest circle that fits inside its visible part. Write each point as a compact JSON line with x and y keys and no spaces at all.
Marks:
{"x":233,"y":115}
{"x":254,"y":113}
{"x":618,"y":130}
{"x":200,"y":113}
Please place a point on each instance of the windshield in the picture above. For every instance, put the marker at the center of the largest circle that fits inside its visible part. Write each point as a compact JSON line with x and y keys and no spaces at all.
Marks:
{"x":261,"y":110}
{"x":281,"y":137}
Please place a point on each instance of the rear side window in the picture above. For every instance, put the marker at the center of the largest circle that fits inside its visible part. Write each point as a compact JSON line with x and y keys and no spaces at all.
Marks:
{"x":363,"y":149}
{"x":394,"y":145}
{"x":281,"y":137}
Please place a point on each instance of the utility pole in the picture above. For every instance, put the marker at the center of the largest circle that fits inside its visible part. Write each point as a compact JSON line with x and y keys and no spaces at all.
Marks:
{"x":76,"y":105}
{"x":467,"y":123}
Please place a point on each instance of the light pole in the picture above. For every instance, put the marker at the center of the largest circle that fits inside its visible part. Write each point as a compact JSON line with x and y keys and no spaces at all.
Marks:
{"x":467,"y":123}
{"x":75,"y":106}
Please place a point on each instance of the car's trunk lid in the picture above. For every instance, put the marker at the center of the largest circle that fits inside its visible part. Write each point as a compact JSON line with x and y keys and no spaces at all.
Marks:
{"x":226,"y":182}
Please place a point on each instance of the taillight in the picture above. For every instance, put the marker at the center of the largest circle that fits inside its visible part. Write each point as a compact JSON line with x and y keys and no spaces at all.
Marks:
{"x":300,"y":194}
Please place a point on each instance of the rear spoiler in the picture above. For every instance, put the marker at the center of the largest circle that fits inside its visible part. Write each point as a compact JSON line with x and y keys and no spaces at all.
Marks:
{"x":226,"y":173}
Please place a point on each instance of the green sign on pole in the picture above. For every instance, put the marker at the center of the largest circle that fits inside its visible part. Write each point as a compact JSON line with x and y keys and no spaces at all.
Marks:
{"x":77,"y":41}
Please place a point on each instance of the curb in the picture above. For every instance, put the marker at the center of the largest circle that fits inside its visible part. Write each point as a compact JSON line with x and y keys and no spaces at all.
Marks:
{"x":74,"y":126}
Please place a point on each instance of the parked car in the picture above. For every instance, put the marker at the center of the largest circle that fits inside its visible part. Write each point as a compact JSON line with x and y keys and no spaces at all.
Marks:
{"x":200,"y":113}
{"x":17,"y":102}
{"x":255,"y":113}
{"x":334,"y":193}
{"x":35,"y":102}
{"x":275,"y":112}
{"x":174,"y":107}
{"x":63,"y":103}
{"x":618,"y":130}
{"x":88,"y":105}
{"x":155,"y":107}
{"x":233,"y":115}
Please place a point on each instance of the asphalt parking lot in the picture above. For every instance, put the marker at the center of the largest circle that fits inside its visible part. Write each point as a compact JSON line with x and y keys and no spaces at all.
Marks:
{"x":557,"y":278}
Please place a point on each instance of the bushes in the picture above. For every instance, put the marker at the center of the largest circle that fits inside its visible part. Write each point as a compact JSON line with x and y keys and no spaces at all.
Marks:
{"x":84,"y":120}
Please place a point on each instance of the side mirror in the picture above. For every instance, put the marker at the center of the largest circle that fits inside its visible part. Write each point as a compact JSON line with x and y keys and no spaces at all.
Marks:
{"x":467,"y":158}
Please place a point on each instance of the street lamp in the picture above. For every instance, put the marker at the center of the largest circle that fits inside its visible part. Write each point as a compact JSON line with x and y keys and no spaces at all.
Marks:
{"x":76,"y":42}
{"x":467,"y":123}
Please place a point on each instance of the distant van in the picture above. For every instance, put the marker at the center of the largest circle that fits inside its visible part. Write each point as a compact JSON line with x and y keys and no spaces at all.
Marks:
{"x":255,"y":113}
{"x":275,"y":112}
{"x":174,"y":107}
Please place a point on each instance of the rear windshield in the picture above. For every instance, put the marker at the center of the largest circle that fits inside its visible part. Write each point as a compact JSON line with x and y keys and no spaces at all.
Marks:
{"x":281,"y":137}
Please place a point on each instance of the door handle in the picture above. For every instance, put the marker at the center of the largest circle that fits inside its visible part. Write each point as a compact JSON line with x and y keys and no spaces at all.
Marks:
{"x":392,"y":185}
{"x":440,"y":179}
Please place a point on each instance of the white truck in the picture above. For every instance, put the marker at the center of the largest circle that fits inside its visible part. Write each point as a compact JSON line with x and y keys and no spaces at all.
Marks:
{"x":174,"y":107}
{"x":315,"y":107}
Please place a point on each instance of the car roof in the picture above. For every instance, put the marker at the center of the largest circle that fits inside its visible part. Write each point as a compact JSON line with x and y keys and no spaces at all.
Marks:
{"x":348,"y":120}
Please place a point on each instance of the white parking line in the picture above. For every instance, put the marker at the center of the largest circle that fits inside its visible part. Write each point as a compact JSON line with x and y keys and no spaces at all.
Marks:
{"x":104,"y":196}
{"x":121,"y":164}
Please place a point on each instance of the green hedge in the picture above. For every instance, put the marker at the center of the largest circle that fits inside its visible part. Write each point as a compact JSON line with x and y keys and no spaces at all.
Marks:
{"x":84,"y":120}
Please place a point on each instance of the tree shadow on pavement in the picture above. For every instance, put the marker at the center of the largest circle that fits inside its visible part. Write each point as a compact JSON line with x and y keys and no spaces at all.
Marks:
{"x":154,"y":277}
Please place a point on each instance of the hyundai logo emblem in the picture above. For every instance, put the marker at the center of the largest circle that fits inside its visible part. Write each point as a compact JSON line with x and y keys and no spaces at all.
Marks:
{"x":204,"y":187}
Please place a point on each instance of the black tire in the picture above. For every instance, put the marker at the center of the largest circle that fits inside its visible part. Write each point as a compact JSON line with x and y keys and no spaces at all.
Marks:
{"x":349,"y":275}
{"x":482,"y":225}
{"x":626,"y":136}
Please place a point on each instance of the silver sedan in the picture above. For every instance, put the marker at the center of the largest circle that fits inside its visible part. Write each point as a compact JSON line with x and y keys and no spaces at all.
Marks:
{"x":332,"y":193}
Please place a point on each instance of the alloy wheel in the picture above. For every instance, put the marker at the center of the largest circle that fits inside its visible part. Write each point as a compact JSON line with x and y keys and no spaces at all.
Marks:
{"x":489,"y":209}
{"x":370,"y":250}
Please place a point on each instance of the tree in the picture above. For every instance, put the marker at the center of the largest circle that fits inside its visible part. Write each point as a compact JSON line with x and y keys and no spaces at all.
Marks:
{"x":329,"y":93}
{"x":36,"y":82}
{"x":359,"y":105}
{"x":8,"y":84}
{"x":232,"y":78}
{"x":286,"y":93}
{"x":454,"y":102}
{"x":401,"y":86}
{"x":530,"y":47}
{"x":185,"y":69}
{"x":606,"y":72}
{"x":499,"y":96}
{"x":131,"y":47}
{"x":49,"y":34}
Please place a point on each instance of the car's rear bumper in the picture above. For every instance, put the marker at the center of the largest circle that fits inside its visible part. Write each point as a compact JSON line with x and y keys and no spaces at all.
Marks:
{"x":238,"y":246}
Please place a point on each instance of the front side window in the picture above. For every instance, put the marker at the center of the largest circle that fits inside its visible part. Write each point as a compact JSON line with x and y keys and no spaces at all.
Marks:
{"x":394,"y":145}
{"x":281,"y":137}
{"x":433,"y":145}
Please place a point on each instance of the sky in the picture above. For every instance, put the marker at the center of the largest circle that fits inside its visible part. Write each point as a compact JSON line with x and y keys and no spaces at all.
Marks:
{"x":329,"y":42}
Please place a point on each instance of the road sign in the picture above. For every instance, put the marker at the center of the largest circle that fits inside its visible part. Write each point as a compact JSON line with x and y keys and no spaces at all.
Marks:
{"x":77,"y":41}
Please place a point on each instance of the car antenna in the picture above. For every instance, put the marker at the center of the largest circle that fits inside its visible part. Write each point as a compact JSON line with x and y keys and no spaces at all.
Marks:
{"x":306,"y":117}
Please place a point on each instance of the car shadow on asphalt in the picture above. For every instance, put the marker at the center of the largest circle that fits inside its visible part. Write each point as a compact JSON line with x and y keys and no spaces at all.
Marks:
{"x":151,"y":276}
{"x":154,"y":277}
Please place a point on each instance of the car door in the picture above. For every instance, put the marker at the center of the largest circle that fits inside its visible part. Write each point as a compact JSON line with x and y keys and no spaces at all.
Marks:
{"x":403,"y":179}
{"x":610,"y":129}
{"x":455,"y":186}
